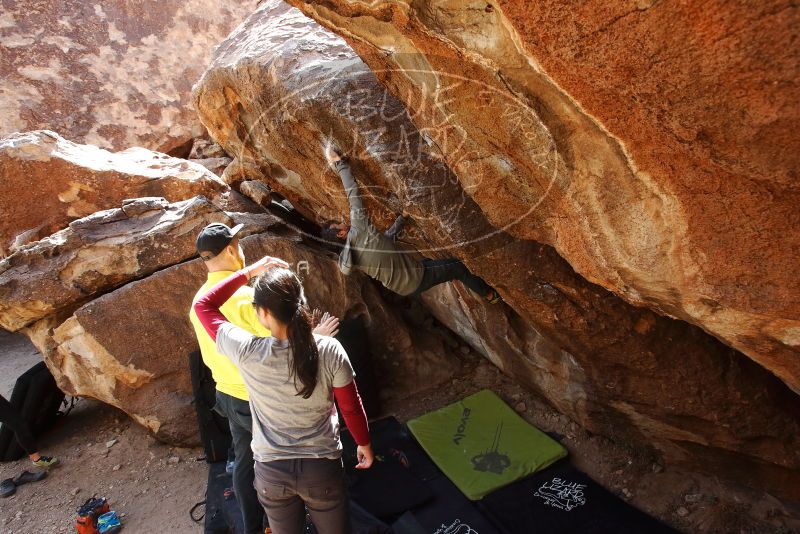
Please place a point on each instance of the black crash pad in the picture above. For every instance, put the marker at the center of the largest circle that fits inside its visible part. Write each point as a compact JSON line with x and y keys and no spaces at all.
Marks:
{"x":563,"y":500}
{"x":449,"y":512}
{"x":391,"y":486}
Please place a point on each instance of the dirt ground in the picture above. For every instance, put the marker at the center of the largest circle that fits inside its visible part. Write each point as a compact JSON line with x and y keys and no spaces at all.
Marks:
{"x":153,"y":486}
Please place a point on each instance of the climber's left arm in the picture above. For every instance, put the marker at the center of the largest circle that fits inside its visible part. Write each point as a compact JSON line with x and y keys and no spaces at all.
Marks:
{"x":397,"y":227}
{"x":358,"y":215}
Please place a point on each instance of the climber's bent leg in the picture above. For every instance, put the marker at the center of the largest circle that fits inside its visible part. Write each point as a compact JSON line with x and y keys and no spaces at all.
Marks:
{"x":440,"y":271}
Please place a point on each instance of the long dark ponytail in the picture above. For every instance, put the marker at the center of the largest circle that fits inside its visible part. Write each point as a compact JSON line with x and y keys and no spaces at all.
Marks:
{"x":280,"y":291}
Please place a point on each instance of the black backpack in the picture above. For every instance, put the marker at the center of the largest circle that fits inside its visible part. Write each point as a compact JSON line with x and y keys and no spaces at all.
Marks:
{"x":37,"y":399}
{"x":214,"y":430}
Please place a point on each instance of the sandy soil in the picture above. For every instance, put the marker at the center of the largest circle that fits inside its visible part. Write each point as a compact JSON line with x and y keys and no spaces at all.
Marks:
{"x":153,"y":485}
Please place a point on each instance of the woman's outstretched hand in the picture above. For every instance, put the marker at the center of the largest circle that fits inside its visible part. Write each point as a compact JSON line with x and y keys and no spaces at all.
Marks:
{"x":365,"y":456}
{"x":263,"y":265}
{"x":325,"y":324}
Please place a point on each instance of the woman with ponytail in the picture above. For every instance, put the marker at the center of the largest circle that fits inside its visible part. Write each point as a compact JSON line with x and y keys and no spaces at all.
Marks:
{"x":292,"y":377}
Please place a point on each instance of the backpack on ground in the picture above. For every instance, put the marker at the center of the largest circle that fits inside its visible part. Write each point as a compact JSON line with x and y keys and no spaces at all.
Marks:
{"x":94,"y":507}
{"x":37,"y":399}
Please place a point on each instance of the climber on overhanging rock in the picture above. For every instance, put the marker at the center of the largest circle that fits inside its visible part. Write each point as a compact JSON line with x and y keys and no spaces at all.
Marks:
{"x":377,"y":255}
{"x":218,"y":246}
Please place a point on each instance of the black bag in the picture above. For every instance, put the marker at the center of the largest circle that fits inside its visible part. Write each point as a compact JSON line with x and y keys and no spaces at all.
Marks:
{"x":37,"y":399}
{"x":214,"y":430}
{"x":221,"y":514}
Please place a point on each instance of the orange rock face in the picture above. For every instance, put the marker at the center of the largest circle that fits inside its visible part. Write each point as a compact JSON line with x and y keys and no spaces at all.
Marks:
{"x":47,"y":181}
{"x":280,"y":87}
{"x":113,"y":74}
{"x":652,"y":144}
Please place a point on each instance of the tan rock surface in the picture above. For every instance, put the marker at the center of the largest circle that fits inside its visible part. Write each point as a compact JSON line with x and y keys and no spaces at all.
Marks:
{"x":652,"y":144}
{"x":215,"y":165}
{"x":113,"y":74}
{"x":98,"y":253}
{"x":47,"y":181}
{"x":279,"y":87}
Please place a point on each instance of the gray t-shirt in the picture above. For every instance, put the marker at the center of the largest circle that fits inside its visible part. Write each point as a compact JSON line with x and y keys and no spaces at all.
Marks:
{"x":285,"y":425}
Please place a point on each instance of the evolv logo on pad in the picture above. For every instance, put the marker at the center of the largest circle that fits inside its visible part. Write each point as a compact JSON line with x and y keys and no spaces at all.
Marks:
{"x":492,"y":460}
{"x":462,"y":426}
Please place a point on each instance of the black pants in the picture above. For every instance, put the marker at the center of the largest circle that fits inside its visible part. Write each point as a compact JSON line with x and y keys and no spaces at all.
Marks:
{"x":440,"y":271}
{"x":289,"y":488}
{"x":241,"y":423}
{"x":11,"y":417}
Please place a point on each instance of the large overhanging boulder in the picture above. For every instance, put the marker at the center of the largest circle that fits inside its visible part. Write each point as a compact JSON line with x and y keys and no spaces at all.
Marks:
{"x":98,"y":253}
{"x":280,"y":87}
{"x":130,"y":347}
{"x":113,"y":74}
{"x":47,"y":181}
{"x":653,"y":144}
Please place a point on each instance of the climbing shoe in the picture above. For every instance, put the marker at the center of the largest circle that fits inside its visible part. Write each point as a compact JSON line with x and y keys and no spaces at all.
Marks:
{"x":493,"y":297}
{"x":46,"y":462}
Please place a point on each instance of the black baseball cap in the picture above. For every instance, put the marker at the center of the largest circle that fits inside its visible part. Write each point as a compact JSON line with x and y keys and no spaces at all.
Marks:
{"x":214,"y":238}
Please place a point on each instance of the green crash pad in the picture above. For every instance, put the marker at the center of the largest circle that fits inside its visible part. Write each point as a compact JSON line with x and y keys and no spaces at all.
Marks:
{"x":481,"y":444}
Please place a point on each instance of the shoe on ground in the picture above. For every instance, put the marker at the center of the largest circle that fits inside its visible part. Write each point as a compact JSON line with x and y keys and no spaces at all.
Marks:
{"x":46,"y":462}
{"x":26,"y":477}
{"x":7,"y":488}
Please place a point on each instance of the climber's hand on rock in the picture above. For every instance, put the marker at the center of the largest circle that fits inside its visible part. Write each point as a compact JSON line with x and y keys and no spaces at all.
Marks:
{"x":263,"y":265}
{"x":406,"y":214}
{"x":331,"y":154}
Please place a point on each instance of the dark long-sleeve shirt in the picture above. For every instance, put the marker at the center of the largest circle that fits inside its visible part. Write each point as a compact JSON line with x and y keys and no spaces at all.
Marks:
{"x":286,"y":425}
{"x":372,"y":252}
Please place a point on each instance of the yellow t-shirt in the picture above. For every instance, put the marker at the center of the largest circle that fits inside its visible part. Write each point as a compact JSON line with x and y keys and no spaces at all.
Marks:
{"x":238,"y":310}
